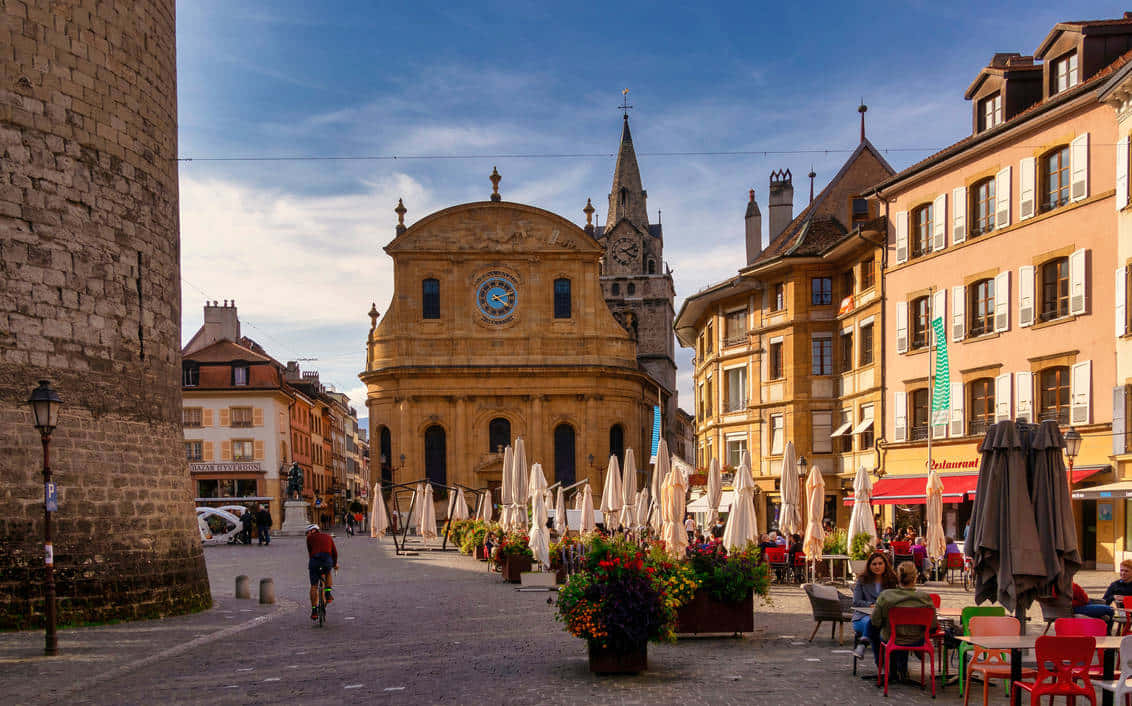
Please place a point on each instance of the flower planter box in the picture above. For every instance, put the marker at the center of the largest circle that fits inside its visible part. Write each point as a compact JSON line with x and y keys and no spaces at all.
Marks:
{"x":560,"y":574}
{"x":514,"y":566}
{"x":704,"y":614}
{"x":605,"y":660}
{"x":481,"y":553}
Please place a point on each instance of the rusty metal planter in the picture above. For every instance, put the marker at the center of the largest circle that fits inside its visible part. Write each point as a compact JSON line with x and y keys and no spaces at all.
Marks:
{"x":605,"y":660}
{"x":704,"y":614}
{"x":514,"y":566}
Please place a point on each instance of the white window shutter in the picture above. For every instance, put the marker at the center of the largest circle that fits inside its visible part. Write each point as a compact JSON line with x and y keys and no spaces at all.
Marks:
{"x":900,"y":415}
{"x":902,"y":327}
{"x":1026,"y":295}
{"x":1002,"y":389}
{"x":958,"y":310}
{"x":1002,"y":198}
{"x":1026,"y":176}
{"x":1002,"y":302}
{"x":1079,"y":389}
{"x":939,"y":311}
{"x":901,"y":236}
{"x":1079,"y":168}
{"x":1119,"y":425}
{"x":1024,"y":396}
{"x":1121,"y":283}
{"x":957,"y":421}
{"x":1077,"y":288}
{"x":939,"y":222}
{"x":1121,"y":173}
{"x":958,"y":215}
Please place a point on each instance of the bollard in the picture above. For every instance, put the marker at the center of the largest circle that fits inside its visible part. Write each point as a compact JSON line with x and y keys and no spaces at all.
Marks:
{"x":243,"y":589}
{"x":266,"y":591}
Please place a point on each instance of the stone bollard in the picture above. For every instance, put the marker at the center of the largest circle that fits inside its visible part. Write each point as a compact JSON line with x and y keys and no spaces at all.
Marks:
{"x":266,"y":591}
{"x":243,"y":587}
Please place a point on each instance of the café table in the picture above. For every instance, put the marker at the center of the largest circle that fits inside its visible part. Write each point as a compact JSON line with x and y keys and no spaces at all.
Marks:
{"x":1109,"y":645}
{"x":831,"y":558}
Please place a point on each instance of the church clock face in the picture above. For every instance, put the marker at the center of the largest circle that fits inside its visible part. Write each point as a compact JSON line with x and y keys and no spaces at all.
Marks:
{"x":496,"y":297}
{"x":625,"y":250}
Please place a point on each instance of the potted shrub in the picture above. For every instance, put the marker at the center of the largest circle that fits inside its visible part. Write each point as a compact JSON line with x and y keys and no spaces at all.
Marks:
{"x":835,"y":542}
{"x":723,"y":601}
{"x":617,"y":604}
{"x":859,"y":552}
{"x":514,"y":556}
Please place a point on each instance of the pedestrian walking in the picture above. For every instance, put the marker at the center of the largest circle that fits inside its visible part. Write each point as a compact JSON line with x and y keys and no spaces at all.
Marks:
{"x":263,"y":524}
{"x":350,"y":524}
{"x":690,"y":527}
{"x":246,"y":524}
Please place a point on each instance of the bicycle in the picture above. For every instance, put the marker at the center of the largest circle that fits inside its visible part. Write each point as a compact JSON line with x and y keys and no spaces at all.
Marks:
{"x":321,"y":599}
{"x":968,"y":574}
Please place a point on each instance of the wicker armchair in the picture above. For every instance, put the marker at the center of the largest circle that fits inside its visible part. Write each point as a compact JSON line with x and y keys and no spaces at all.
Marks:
{"x":828,"y":605}
{"x":1054,"y":608}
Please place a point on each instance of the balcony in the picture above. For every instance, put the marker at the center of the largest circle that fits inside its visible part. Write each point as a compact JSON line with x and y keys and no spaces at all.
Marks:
{"x":1056,"y":414}
{"x":979,"y":426}
{"x":919,"y":433}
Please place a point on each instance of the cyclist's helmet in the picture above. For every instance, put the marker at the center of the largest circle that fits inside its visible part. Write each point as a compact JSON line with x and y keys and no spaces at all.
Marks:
{"x":312,"y":528}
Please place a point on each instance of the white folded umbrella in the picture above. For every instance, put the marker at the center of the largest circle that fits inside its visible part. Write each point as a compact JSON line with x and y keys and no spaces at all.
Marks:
{"x":588,"y":524}
{"x":428,"y":514}
{"x":611,"y":495}
{"x":560,"y":513}
{"x":378,"y":518}
{"x":629,"y":491}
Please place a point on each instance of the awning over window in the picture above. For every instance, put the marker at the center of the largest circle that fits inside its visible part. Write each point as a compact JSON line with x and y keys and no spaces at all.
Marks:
{"x":911,"y":490}
{"x":842,"y":430}
{"x":864,"y":426}
{"x":1122,"y":489}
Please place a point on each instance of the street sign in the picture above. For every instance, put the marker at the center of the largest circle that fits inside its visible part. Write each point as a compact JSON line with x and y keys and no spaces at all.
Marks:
{"x":50,"y":497}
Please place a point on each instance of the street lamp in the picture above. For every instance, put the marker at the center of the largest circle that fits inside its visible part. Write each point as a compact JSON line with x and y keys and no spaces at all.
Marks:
{"x":45,"y":403}
{"x":1072,"y":447}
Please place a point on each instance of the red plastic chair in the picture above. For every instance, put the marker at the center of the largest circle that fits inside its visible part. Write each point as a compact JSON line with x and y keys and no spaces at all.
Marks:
{"x":918,"y":617}
{"x":937,"y":636}
{"x":1084,"y":627}
{"x":800,"y":567}
{"x":1063,"y":669}
{"x":776,"y":559}
{"x":954,"y":562}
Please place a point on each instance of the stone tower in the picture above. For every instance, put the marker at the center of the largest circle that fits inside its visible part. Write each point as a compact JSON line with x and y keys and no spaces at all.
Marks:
{"x":90,"y":299}
{"x":635,"y":281}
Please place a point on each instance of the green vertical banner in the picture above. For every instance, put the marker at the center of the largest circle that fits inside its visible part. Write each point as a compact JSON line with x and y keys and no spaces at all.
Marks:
{"x":941,"y":393}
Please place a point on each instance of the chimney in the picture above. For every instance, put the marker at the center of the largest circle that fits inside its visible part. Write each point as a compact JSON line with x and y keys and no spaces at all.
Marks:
{"x":780,"y":203}
{"x":293,"y":370}
{"x":221,"y":322}
{"x":754,"y":222}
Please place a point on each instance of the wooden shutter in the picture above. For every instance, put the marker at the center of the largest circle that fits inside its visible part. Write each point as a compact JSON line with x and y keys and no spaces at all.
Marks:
{"x":1026,"y":175}
{"x":225,"y":417}
{"x":1121,"y":283}
{"x":901,"y":327}
{"x":1002,"y":198}
{"x":957,"y":421}
{"x":1024,"y":396}
{"x":1119,"y":413}
{"x":257,"y":450}
{"x":939,"y":222}
{"x":900,"y":415}
{"x":206,"y":453}
{"x":958,"y":215}
{"x":257,"y":417}
{"x":1121,"y":173}
{"x":901,"y":236}
{"x":1002,"y":301}
{"x":1077,"y":288}
{"x":206,"y":417}
{"x":1079,"y":168}
{"x":1079,"y":389}
{"x":225,"y":450}
{"x":958,"y":310}
{"x":939,"y":311}
{"x":1002,"y":389}
{"x":1026,"y":295}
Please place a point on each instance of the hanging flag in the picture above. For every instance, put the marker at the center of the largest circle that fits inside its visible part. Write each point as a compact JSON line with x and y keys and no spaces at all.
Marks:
{"x":655,"y":433}
{"x":941,"y":394}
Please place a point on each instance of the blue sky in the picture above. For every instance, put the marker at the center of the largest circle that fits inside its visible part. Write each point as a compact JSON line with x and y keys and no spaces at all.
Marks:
{"x":298,"y":244}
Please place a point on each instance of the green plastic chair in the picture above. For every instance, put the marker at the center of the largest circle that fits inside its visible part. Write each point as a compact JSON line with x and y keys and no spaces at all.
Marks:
{"x":964,"y":618}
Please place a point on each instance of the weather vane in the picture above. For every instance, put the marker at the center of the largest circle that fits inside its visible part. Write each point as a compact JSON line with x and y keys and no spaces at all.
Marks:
{"x":625,"y":106}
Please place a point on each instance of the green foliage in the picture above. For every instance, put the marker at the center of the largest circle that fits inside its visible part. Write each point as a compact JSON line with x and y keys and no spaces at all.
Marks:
{"x":729,"y":577}
{"x":862,"y":547}
{"x":836,"y":542}
{"x":514,"y":544}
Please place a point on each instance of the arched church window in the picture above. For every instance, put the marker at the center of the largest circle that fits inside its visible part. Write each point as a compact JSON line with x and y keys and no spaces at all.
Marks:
{"x":631,"y":289}
{"x":617,"y":442}
{"x":564,"y":454}
{"x":499,"y":434}
{"x":616,"y":289}
{"x":436,"y":463}
{"x":386,"y":458}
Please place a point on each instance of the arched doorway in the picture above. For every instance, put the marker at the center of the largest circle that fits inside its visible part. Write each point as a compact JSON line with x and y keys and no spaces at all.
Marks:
{"x":386,"y":456}
{"x":435,"y":457}
{"x":564,"y":454}
{"x":617,"y":443}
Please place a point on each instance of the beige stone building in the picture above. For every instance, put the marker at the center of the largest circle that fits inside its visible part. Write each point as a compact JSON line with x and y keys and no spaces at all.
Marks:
{"x":1010,"y":236}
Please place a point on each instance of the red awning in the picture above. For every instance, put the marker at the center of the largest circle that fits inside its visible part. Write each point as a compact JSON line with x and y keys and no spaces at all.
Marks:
{"x":910,"y":490}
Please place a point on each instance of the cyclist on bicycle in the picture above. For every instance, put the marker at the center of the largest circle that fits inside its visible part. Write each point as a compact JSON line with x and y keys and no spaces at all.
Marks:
{"x":323,"y":557}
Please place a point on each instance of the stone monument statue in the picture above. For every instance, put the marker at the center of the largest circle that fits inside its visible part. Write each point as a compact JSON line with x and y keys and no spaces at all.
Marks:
{"x":294,"y":509}
{"x":294,"y":482}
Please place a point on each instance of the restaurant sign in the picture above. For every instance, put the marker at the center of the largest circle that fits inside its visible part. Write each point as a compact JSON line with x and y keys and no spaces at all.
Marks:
{"x":227,"y":467}
{"x":946,"y":465}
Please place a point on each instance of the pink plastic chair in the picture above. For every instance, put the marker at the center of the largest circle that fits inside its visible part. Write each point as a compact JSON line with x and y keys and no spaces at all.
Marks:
{"x":1063,"y":669}
{"x":920,"y":618}
{"x":990,"y":663}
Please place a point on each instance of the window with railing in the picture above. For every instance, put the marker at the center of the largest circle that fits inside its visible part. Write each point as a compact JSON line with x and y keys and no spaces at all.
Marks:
{"x":241,"y":416}
{"x":1055,"y":289}
{"x":735,"y":381}
{"x":921,"y":231}
{"x":821,"y":355}
{"x":845,"y":343}
{"x":918,"y":313}
{"x":243,"y":450}
{"x":981,"y":405}
{"x":735,"y":327}
{"x":920,"y":414}
{"x":1054,"y":397}
{"x":868,"y":273}
{"x":194,"y":450}
{"x":191,"y":417}
{"x":980,"y":307}
{"x":774,"y":367}
{"x":1055,"y":178}
{"x":866,"y":354}
{"x":982,"y":207}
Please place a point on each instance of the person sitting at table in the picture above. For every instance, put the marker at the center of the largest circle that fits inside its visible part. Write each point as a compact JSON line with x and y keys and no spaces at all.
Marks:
{"x":877,"y":576}
{"x":1092,"y":609}
{"x":904,"y":596}
{"x":952,"y":547}
{"x":887,"y":535}
{"x":795,"y":548}
{"x":779,"y":539}
{"x":1122,"y":586}
{"x":765,"y":542}
{"x":920,"y":556}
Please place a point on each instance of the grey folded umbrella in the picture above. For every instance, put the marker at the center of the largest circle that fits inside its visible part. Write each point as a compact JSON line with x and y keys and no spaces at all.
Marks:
{"x":1053,"y":514}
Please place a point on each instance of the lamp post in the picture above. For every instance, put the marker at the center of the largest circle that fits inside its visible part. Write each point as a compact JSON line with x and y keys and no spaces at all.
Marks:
{"x":45,"y":403}
{"x":1072,"y":447}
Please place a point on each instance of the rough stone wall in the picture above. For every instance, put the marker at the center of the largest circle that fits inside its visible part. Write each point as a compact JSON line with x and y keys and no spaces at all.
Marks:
{"x":90,"y":299}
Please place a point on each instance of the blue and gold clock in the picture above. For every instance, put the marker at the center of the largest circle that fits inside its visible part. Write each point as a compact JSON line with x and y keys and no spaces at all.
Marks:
{"x":497,"y":297}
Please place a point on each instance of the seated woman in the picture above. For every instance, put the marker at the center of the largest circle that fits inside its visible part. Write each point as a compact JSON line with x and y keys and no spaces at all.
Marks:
{"x":905,"y":596}
{"x":1092,"y":609}
{"x":877,"y":577}
{"x":920,"y":555}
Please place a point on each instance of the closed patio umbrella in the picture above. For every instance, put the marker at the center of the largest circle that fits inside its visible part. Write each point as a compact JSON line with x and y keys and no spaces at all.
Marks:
{"x":611,"y":496}
{"x":540,"y":535}
{"x":1057,"y":531}
{"x":861,"y":521}
{"x":458,"y":506}
{"x":741,"y":528}
{"x":519,"y":487}
{"x":672,"y":533}
{"x":789,"y":516}
{"x":485,"y":512}
{"x":714,"y":492}
{"x":629,"y":490}
{"x":659,"y":473}
{"x":641,"y":516}
{"x":506,"y":488}
{"x":936,"y":542}
{"x":587,"y":524}
{"x":378,"y":517}
{"x":814,"y":543}
{"x":757,"y":499}
{"x":418,"y":504}
{"x":560,"y":513}
{"x":428,"y":514}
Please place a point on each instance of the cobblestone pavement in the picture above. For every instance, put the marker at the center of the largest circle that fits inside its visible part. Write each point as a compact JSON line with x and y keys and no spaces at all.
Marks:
{"x":435,"y":628}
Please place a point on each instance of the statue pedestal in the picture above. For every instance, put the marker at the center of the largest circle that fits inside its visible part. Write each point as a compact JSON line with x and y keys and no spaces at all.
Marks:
{"x":295,"y":519}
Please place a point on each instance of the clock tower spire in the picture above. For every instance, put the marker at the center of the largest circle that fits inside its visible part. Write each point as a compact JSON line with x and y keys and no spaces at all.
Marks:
{"x":627,"y":196}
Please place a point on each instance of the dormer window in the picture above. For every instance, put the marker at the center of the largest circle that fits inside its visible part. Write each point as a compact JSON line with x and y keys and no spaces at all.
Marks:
{"x":990,"y":111}
{"x":1063,"y":73}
